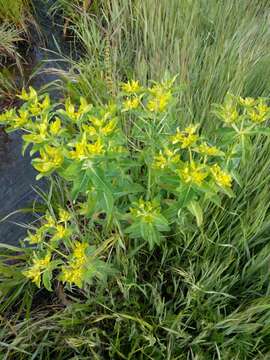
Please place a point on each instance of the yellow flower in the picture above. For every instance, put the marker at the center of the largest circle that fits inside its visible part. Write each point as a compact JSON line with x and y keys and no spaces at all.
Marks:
{"x":160,"y":161}
{"x":131,"y":104}
{"x":45,"y":103}
{"x":229,"y":113}
{"x":22,"y":119}
{"x":50,"y":222}
{"x":160,"y":88}
{"x":43,"y":262}
{"x":189,"y":130}
{"x":145,"y":210}
{"x":157,"y":90}
{"x":55,"y":126}
{"x":109,"y":128}
{"x":79,"y":252}
{"x":90,"y":130}
{"x":160,"y":102}
{"x":131,"y":87}
{"x":73,"y":275}
{"x":95,"y":148}
{"x":102,"y":129}
{"x":64,"y":215}
{"x":189,"y":141}
{"x":50,"y":159}
{"x":7,"y":116}
{"x":97,"y":122}
{"x":187,"y":138}
{"x":43,"y":129}
{"x":32,"y":95}
{"x":209,"y":150}
{"x":222,"y":178}
{"x":248,"y":101}
{"x":35,"y":238}
{"x":262,"y":108}
{"x":80,"y":151}
{"x":254,"y":116}
{"x":34,"y":272}
{"x":60,"y":232}
{"x":83,"y":149}
{"x":70,"y":110}
{"x":41,"y":135}
{"x":260,"y":113}
{"x":35,"y":108}
{"x":193,"y":173}
{"x":84,"y":107}
{"x":165,"y":158}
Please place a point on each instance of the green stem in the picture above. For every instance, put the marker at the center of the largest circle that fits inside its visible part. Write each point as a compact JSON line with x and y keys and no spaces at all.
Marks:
{"x":148,"y":195}
{"x":55,"y":250}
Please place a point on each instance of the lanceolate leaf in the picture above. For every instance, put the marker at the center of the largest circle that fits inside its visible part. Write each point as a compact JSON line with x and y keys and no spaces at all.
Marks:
{"x":196,"y":210}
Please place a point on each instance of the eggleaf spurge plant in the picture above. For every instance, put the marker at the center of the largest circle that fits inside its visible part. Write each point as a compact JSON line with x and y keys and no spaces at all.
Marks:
{"x":131,"y":172}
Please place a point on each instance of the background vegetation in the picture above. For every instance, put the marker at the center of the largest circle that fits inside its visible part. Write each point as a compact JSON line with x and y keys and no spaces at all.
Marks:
{"x":15,"y":18}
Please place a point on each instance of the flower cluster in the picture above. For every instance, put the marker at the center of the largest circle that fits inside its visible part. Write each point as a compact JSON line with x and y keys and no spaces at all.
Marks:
{"x":194,"y":161}
{"x":72,"y":261}
{"x":38,"y":267}
{"x":128,"y":171}
{"x":52,"y":230}
{"x":145,"y":210}
{"x":75,"y":270}
{"x":155,"y":99}
{"x":243,"y":111}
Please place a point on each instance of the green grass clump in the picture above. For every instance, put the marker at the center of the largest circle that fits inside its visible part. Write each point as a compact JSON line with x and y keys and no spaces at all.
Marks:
{"x":10,"y":36}
{"x":15,"y":18}
{"x":214,"y":48}
{"x":16,"y":12}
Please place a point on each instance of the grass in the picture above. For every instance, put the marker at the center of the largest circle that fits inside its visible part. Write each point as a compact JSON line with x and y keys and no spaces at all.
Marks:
{"x":13,"y":19}
{"x":204,"y":294}
{"x":16,"y":12}
{"x":8,"y":52}
{"x":213,"y":48}
{"x":10,"y":36}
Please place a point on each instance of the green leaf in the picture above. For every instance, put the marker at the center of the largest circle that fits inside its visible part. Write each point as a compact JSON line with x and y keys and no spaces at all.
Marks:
{"x":108,"y":204}
{"x":171,"y":211}
{"x":150,"y":234}
{"x":71,"y":171}
{"x":161,"y":223}
{"x":46,"y":278}
{"x":80,"y":184}
{"x":196,"y":210}
{"x":228,"y":191}
{"x":260,"y":131}
{"x":134,"y":230}
{"x":236,"y":176}
{"x":92,"y":202}
{"x":227,"y":135}
{"x":185,"y":195}
{"x":214,"y":198}
{"x":128,"y":188}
